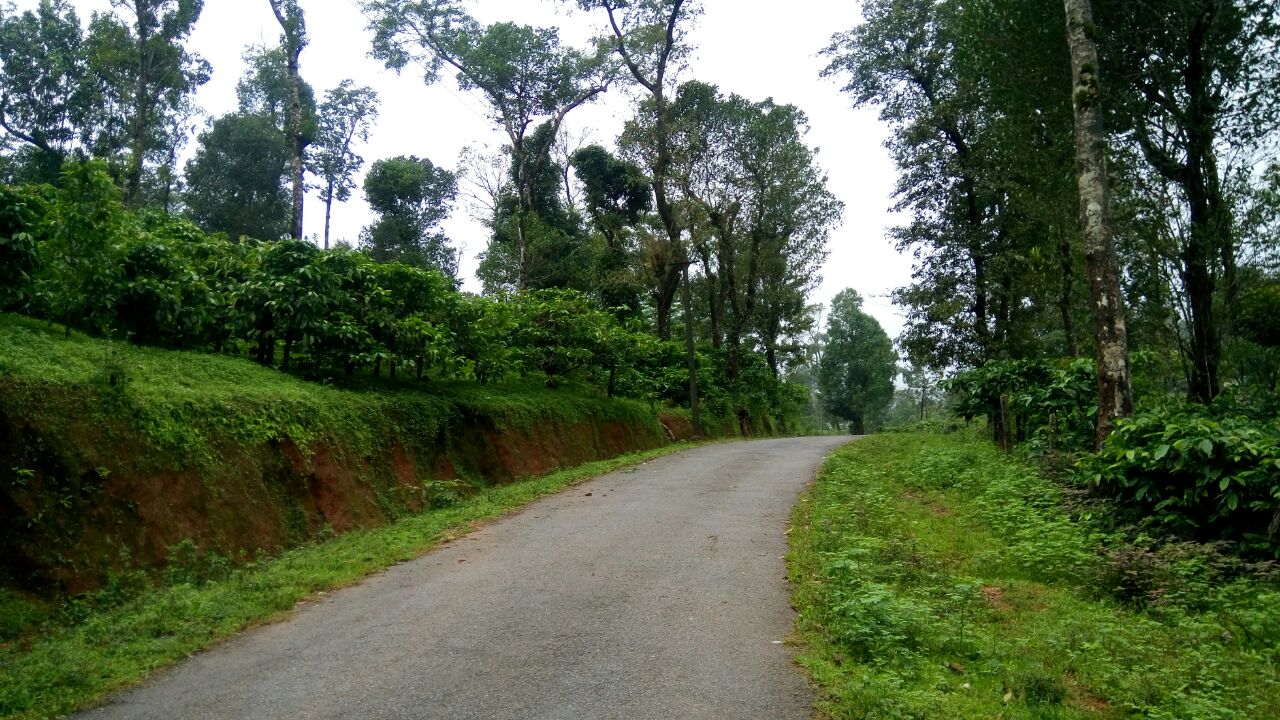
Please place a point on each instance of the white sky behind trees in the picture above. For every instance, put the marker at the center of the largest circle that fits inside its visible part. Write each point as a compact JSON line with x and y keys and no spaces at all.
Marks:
{"x":756,"y":48}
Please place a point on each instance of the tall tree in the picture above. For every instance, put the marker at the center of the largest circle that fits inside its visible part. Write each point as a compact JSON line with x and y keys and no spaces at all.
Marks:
{"x":412,"y":196}
{"x":50,"y":101}
{"x":755,"y":184}
{"x":538,"y":242}
{"x":525,"y":75}
{"x":858,"y":364}
{"x":649,"y":36}
{"x":616,"y":197}
{"x":154,"y":77}
{"x":982,"y":152}
{"x":293,"y":40}
{"x":1186,"y":78}
{"x":343,"y":118}
{"x":236,"y":179}
{"x":1111,"y":351}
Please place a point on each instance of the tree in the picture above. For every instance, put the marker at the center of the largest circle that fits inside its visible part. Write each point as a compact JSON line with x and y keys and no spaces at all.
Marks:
{"x":344,"y":117}
{"x":152,"y":76}
{"x":412,"y":197}
{"x":50,"y":101}
{"x":524,"y":74}
{"x":858,"y":365}
{"x":616,"y":197}
{"x":974,"y":94}
{"x":293,"y":40}
{"x":541,"y":246}
{"x":236,"y":179}
{"x":1187,"y":78}
{"x":1111,"y":351}
{"x":649,"y":37}
{"x":748,"y":176}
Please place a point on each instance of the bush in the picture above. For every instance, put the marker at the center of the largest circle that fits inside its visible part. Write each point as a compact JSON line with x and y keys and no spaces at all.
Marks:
{"x":1196,"y":474}
{"x":1052,"y":406}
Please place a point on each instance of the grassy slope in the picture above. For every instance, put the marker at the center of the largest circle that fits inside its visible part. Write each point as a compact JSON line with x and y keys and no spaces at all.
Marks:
{"x":937,"y":579}
{"x":71,"y":664}
{"x":187,"y":402}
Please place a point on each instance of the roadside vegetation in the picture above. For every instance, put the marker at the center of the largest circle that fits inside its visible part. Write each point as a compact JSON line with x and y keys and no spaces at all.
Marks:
{"x":936,"y":577}
{"x":58,"y":656}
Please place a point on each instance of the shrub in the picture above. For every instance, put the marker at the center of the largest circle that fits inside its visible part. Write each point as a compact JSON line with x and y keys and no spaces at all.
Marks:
{"x":1202,"y":476}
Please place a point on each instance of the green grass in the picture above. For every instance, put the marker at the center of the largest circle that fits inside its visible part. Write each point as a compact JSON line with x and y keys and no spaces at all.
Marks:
{"x":67,"y":667}
{"x":188,"y":404}
{"x":936,"y":578}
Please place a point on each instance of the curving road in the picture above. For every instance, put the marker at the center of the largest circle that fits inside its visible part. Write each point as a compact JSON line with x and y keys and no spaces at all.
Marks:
{"x":654,"y":592}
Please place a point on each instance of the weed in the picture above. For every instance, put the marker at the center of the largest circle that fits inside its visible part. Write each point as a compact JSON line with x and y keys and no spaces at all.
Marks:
{"x":1007,"y":606}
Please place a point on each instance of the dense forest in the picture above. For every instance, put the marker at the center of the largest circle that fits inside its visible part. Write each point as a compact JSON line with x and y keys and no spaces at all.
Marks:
{"x":1051,"y":321}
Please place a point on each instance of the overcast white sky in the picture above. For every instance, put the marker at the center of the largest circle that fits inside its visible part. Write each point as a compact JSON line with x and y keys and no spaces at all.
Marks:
{"x":756,"y":48}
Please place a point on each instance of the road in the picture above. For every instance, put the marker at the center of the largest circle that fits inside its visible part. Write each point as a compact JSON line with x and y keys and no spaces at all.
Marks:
{"x":653,"y":592}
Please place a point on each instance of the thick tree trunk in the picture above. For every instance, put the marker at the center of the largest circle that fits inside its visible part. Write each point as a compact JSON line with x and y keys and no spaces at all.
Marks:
{"x":1209,"y":234}
{"x":664,"y":298}
{"x":1115,"y":395}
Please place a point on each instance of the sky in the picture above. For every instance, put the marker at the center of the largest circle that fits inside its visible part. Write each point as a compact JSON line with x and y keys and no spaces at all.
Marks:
{"x":746,"y":47}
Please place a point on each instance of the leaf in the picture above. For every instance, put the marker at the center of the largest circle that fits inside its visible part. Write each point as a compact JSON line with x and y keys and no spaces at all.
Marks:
{"x":1206,"y":446}
{"x":1161,"y":451}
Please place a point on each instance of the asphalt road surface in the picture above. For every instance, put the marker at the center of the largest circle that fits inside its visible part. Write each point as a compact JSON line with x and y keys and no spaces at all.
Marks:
{"x":654,"y":592}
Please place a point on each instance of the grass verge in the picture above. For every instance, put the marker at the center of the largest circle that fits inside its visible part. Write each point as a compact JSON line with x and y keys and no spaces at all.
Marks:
{"x":936,"y":578}
{"x":69,"y":666}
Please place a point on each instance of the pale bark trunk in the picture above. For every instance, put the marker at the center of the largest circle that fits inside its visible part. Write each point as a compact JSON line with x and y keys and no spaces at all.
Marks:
{"x":1115,"y":394}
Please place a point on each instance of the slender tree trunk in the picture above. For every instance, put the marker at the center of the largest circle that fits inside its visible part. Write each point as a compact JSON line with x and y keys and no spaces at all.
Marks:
{"x":143,"y":11}
{"x":299,"y":147}
{"x":1115,"y":395}
{"x":294,"y":38}
{"x":713,"y":295}
{"x":328,"y":212}
{"x":1209,"y":235}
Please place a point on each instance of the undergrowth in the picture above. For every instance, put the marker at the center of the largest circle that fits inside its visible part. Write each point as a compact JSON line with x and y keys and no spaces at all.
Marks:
{"x":936,"y":578}
{"x":70,"y":656}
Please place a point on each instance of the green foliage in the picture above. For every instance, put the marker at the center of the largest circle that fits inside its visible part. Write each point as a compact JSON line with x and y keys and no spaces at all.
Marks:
{"x":412,"y":196}
{"x":935,"y":577}
{"x":337,"y":315}
{"x":85,"y":224}
{"x":1258,"y":315}
{"x":19,"y":256}
{"x":236,"y":181}
{"x":51,"y":99}
{"x":1051,"y":405}
{"x":1196,"y":472}
{"x":858,"y":365}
